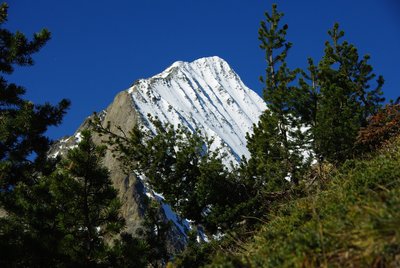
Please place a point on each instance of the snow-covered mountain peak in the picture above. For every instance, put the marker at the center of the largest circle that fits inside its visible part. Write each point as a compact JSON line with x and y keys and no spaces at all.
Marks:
{"x":213,"y":61}
{"x":176,"y":65}
{"x":205,"y":94}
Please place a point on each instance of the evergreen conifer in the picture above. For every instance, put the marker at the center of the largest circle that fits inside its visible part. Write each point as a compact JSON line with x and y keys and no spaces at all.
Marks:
{"x":345,"y":100}
{"x":276,"y":144}
{"x":86,"y":202}
{"x":25,"y":233}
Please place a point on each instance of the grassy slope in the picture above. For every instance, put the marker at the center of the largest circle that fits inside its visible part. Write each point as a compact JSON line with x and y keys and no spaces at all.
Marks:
{"x":354,"y":221}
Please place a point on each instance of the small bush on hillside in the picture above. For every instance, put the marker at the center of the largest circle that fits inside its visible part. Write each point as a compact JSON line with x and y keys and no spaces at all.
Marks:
{"x":381,"y":127}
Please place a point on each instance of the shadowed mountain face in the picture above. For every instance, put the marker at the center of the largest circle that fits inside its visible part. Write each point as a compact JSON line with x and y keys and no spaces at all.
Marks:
{"x":205,"y":95}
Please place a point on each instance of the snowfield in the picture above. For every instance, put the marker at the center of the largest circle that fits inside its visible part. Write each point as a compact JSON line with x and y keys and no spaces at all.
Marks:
{"x":205,"y":95}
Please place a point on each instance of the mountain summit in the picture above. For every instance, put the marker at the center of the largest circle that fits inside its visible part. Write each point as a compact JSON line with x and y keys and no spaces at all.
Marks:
{"x":205,"y":95}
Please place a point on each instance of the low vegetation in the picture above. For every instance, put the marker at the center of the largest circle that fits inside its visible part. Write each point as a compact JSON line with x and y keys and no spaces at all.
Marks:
{"x":349,"y":218}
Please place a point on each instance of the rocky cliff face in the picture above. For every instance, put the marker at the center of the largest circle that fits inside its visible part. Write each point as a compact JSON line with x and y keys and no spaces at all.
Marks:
{"x":120,"y":113}
{"x":205,"y":95}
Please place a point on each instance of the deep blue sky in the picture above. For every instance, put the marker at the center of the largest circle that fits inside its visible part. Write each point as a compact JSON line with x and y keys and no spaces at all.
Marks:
{"x":99,"y":47}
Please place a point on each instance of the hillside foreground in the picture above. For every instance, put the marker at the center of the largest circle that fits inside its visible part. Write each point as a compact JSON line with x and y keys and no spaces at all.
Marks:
{"x":349,"y":218}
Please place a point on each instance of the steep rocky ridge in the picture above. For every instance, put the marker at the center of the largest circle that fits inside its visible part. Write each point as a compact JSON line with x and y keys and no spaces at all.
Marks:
{"x":120,"y":113}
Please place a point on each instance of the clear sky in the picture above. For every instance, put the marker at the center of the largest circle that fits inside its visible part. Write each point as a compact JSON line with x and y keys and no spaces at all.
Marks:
{"x":99,"y":47}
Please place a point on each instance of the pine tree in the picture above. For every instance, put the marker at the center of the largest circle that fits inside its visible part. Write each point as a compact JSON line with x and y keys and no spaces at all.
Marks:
{"x":25,"y":237}
{"x":87,"y":204}
{"x":276,"y":144}
{"x":23,"y":145}
{"x":346,"y":99}
{"x":265,"y":165}
{"x":307,"y":105}
{"x":323,"y":114}
{"x":180,"y":165}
